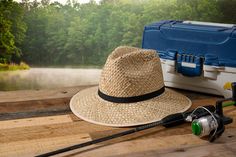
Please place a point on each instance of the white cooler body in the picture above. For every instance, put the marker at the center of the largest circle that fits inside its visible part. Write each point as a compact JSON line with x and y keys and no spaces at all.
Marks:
{"x":212,"y":80}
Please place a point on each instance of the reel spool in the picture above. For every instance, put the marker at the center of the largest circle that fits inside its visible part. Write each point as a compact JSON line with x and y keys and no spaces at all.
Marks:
{"x":208,"y":126}
{"x":212,"y":125}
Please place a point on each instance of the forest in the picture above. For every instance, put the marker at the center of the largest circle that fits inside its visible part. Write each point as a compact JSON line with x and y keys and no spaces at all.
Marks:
{"x":45,"y":33}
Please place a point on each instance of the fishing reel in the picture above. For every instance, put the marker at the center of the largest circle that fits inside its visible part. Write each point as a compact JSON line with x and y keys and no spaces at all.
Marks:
{"x":212,"y":125}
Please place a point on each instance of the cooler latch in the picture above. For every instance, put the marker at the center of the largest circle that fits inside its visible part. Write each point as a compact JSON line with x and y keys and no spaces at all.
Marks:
{"x":189,"y":65}
{"x":212,"y":66}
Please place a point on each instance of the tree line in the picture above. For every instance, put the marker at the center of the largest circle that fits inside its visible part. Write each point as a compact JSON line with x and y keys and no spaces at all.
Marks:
{"x":45,"y":33}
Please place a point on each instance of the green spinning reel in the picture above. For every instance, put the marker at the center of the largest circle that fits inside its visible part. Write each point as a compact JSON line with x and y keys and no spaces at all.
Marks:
{"x":213,"y":125}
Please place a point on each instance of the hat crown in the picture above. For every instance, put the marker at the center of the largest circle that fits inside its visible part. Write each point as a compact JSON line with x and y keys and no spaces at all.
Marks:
{"x":130,"y":72}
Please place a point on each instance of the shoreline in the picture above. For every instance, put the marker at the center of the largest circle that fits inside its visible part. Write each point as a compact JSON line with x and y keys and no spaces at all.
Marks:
{"x":14,"y":66}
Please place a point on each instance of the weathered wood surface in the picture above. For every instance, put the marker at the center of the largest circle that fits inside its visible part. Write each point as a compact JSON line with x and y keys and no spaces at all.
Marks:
{"x":36,"y":122}
{"x":34,"y":103}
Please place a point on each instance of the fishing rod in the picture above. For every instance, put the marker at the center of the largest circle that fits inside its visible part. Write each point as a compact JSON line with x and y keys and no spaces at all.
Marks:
{"x":169,"y":121}
{"x":206,"y":121}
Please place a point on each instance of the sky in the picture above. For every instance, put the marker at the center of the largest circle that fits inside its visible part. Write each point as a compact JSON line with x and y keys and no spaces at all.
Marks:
{"x":64,"y":1}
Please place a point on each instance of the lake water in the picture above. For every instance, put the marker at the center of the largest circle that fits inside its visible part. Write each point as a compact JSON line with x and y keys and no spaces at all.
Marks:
{"x":46,"y":78}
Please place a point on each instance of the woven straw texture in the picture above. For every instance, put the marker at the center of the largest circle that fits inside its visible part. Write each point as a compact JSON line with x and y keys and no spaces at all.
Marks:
{"x":131,"y":72}
{"x":128,"y":72}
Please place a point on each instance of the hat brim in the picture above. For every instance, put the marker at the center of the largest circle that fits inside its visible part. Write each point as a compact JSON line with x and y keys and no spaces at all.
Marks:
{"x":88,"y":106}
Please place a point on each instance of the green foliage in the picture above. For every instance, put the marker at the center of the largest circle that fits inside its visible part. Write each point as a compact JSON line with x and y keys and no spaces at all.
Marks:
{"x":227,"y":8}
{"x":84,"y":34}
{"x":7,"y":44}
{"x":13,"y":66}
{"x":12,"y":30}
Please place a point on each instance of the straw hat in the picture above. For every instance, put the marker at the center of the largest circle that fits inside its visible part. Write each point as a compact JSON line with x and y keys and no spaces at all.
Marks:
{"x":131,"y":91}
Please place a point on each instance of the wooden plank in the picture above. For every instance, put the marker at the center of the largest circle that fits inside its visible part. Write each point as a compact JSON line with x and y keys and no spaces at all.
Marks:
{"x":67,"y":92}
{"x":28,"y":140}
{"x":34,"y":108}
{"x":12,"y":124}
{"x":29,"y":148}
{"x":17,"y":115}
{"x":150,"y":140}
{"x":211,"y":150}
{"x":48,"y":131}
{"x":25,"y":106}
{"x":32,"y":136}
{"x":145,"y":147}
{"x":150,"y":147}
{"x":9,"y":134}
{"x":49,"y":107}
{"x":26,"y":95}
{"x":32,"y":103}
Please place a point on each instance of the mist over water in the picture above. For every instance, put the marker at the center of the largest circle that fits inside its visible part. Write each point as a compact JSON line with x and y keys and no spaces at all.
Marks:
{"x":46,"y":78}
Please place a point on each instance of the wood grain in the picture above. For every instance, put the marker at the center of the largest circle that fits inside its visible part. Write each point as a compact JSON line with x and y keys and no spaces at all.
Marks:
{"x":27,"y":122}
{"x":15,"y":105}
{"x":42,"y":123}
{"x":33,"y":103}
{"x":26,"y":95}
{"x":207,"y":150}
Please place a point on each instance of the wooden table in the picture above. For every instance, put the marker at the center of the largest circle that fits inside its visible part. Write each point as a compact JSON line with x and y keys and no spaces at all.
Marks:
{"x":38,"y":121}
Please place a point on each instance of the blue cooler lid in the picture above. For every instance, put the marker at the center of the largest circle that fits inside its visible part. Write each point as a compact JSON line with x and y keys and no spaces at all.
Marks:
{"x":214,"y":42}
